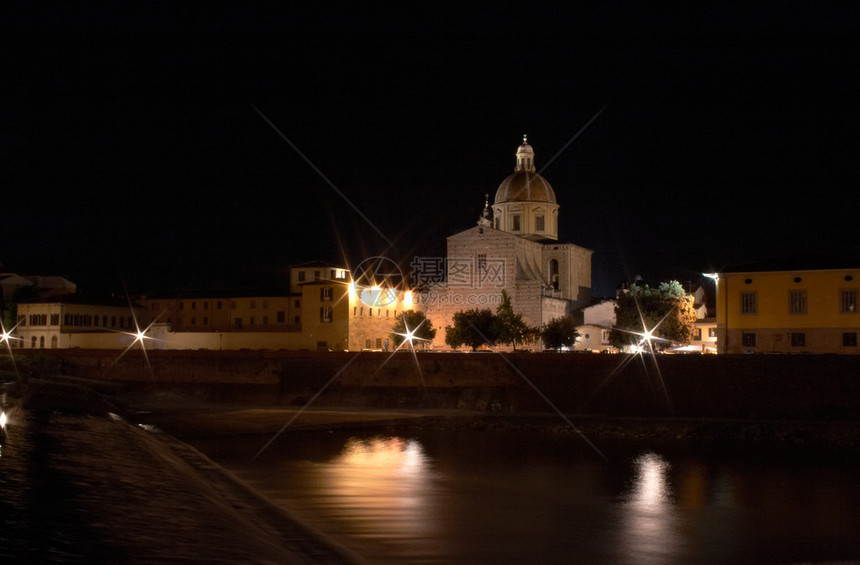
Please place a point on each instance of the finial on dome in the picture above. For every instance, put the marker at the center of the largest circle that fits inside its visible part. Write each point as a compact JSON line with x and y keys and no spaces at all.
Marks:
{"x":525,"y":157}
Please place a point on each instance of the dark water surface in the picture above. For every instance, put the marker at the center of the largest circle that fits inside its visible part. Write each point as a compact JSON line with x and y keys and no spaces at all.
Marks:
{"x":487,"y":497}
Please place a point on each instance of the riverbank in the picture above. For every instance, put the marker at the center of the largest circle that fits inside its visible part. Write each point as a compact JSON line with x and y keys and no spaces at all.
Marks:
{"x":91,"y":478}
{"x":79,"y":483}
{"x":734,"y":387}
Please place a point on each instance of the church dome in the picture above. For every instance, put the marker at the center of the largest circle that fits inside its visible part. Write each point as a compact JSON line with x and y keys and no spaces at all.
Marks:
{"x":525,"y":185}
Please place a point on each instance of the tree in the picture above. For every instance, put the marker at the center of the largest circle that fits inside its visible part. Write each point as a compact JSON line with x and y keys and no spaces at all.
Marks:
{"x":666,"y":311}
{"x":510,"y":328}
{"x":472,"y":328}
{"x":414,"y":322}
{"x":558,"y":333}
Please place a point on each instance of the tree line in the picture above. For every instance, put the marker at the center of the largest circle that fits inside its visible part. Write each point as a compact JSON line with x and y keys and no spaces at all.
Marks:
{"x":478,"y":327}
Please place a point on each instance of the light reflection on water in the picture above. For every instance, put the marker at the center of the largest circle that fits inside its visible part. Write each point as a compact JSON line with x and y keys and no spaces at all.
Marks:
{"x":648,"y":531}
{"x":479,"y":497}
{"x":384,"y":480}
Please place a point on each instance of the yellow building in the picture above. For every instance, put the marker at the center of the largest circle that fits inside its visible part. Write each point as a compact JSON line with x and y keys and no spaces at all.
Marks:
{"x":788,"y":311}
{"x":324,"y":311}
{"x":223,"y":312}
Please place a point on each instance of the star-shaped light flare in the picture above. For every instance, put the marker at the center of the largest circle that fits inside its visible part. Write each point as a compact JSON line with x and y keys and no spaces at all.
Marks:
{"x":138,"y":336}
{"x":643,"y":347}
{"x":6,"y":337}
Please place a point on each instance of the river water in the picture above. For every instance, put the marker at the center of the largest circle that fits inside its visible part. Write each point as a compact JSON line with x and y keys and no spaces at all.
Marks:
{"x":487,"y":497}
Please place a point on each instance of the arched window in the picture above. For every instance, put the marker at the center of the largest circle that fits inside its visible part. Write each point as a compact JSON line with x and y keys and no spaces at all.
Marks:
{"x":42,"y":342}
{"x":53,"y":342}
{"x":553,"y":273}
{"x":33,"y":342}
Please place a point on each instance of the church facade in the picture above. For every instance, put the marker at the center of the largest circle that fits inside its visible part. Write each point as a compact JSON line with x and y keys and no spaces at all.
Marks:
{"x":514,"y":247}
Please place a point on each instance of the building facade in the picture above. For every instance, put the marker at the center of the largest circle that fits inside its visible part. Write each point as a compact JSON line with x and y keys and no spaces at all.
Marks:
{"x":65,"y":323}
{"x":788,"y":311}
{"x":597,"y":323}
{"x":514,"y":248}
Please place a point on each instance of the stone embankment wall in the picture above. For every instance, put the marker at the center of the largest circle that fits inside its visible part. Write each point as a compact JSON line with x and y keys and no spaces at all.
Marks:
{"x":751,"y":386}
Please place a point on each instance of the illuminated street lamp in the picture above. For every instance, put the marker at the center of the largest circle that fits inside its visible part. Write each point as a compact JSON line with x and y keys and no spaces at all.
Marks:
{"x":722,"y":329}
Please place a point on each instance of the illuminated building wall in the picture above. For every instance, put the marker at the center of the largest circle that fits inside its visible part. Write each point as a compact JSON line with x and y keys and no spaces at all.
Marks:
{"x":598,"y":320}
{"x":813,"y":311}
{"x":325,"y":319}
{"x":53,"y":325}
{"x":372,"y":315}
{"x":226,"y":313}
{"x":315,"y":271}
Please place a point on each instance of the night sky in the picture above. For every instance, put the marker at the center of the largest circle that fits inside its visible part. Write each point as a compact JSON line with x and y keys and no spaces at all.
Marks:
{"x":138,"y":150}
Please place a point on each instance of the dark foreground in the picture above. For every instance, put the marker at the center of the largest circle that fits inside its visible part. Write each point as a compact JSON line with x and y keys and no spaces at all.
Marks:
{"x":78,"y":485}
{"x":81,"y":481}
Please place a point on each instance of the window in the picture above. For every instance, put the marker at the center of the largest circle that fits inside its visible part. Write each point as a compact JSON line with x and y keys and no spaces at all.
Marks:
{"x":205,"y":320}
{"x":749,"y":303}
{"x":748,"y":339}
{"x":281,"y":317}
{"x":797,"y":302}
{"x":265,"y":303}
{"x":355,"y":311}
{"x":251,"y":321}
{"x":848,"y":301}
{"x":206,"y":305}
{"x":316,"y":275}
{"x":379,"y":343}
{"x":194,"y":306}
{"x":218,"y":305}
{"x":297,"y":304}
{"x":55,"y":319}
{"x":849,"y":339}
{"x":553,"y":273}
{"x":237,"y":323}
{"x":798,"y":339}
{"x":712,"y":332}
{"x":515,"y":221}
{"x":325,"y":314}
{"x":301,"y":276}
{"x":697,"y":334}
{"x":193,"y":321}
{"x":604,"y":337}
{"x":326,"y":293}
{"x":297,"y":320}
{"x":366,"y":343}
{"x":539,"y":223}
{"x":265,"y":320}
